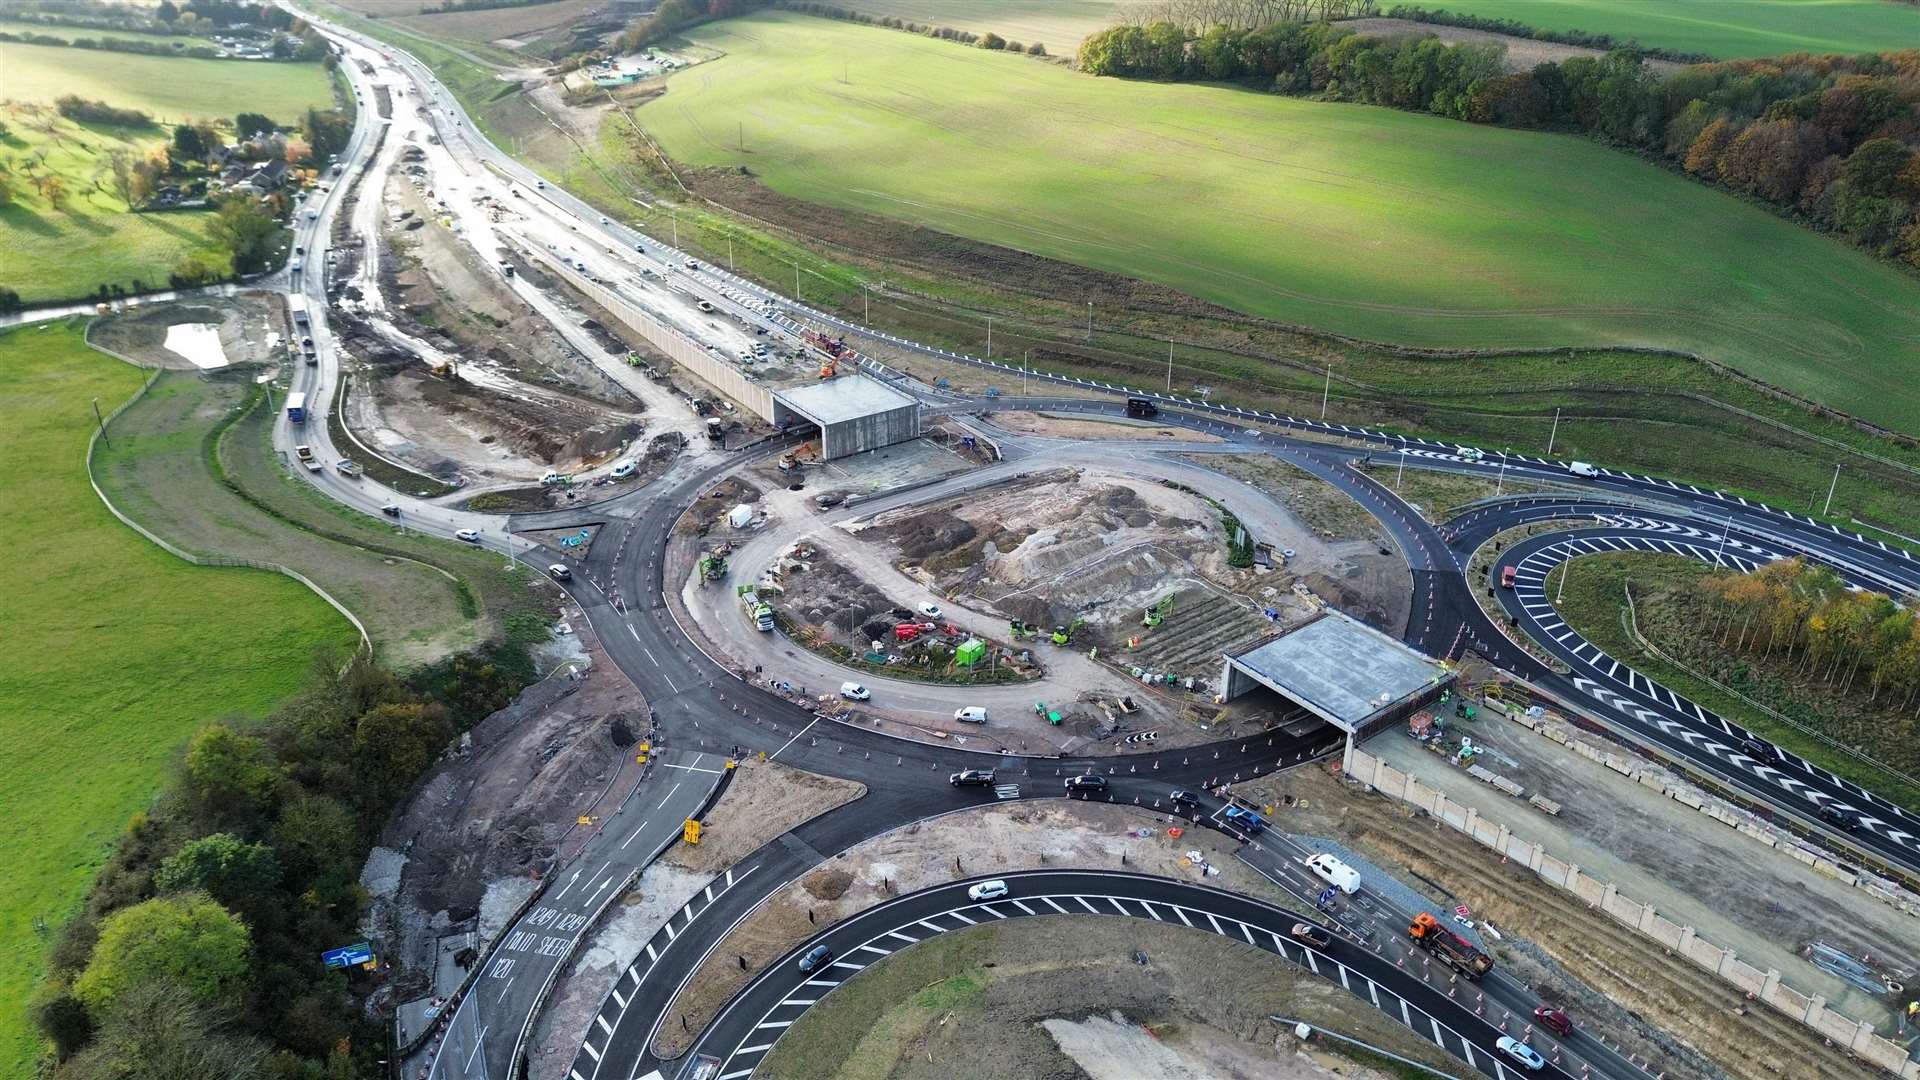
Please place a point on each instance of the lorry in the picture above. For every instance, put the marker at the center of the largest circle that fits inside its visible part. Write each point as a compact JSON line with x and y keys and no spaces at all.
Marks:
{"x":296,"y":408}
{"x":1452,"y":949}
{"x":758,"y":613}
{"x":297,"y":306}
{"x":1142,"y":409}
{"x":307,"y":458}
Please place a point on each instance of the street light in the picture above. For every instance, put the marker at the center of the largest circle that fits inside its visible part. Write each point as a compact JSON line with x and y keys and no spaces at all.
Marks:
{"x":1500,"y":484}
{"x":1836,"y":483}
{"x":1555,"y":433}
{"x":1026,"y":369}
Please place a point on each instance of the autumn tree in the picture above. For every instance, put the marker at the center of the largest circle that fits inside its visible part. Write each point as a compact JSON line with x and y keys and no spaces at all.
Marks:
{"x":189,"y":939}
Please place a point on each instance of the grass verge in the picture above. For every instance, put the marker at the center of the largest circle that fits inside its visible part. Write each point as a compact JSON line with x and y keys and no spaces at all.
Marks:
{"x":118,"y":651}
{"x":1672,"y":616}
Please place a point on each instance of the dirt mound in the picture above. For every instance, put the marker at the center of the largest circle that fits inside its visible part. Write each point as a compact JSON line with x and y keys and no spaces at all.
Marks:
{"x":828,"y":884}
{"x":932,"y":534}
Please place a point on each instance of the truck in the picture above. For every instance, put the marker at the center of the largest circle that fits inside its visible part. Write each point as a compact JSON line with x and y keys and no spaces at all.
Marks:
{"x":758,"y":613}
{"x":1452,"y":949}
{"x":713,"y":567}
{"x":1142,"y":409}
{"x":296,"y":408}
{"x":297,"y":305}
{"x":305,"y":454}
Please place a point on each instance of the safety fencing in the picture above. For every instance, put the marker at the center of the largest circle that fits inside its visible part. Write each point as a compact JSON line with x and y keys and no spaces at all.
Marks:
{"x":1856,"y":1037}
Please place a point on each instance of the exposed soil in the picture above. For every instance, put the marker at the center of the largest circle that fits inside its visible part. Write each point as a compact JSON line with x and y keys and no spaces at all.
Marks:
{"x":1077,"y":427}
{"x":996,"y":838}
{"x":1653,"y":1002}
{"x":252,"y":329}
{"x":500,"y":807}
{"x":1070,"y":997}
{"x":763,"y":800}
{"x":1522,"y":54}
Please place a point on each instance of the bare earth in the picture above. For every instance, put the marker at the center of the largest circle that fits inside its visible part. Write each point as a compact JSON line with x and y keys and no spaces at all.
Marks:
{"x":1075,"y":427}
{"x":997,"y":838}
{"x":764,"y":799}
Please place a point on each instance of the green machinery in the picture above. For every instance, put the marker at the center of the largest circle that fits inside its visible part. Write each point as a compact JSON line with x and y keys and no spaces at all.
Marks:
{"x":713,"y":567}
{"x":1158,"y":613}
{"x":1063,"y":635}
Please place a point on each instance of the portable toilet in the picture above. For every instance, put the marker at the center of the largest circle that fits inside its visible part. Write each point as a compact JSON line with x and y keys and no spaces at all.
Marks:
{"x":739,"y":516}
{"x":970,"y":652}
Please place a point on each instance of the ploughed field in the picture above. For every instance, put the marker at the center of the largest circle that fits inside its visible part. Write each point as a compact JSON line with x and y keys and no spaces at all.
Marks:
{"x":1384,"y":225}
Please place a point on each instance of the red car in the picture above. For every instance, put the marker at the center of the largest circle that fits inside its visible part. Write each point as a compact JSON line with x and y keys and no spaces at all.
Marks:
{"x":1506,"y":576}
{"x":1554,"y":1020}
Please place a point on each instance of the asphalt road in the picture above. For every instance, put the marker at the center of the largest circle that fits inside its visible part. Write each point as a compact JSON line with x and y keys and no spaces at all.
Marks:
{"x":754,"y":1020}
{"x":619,"y":584}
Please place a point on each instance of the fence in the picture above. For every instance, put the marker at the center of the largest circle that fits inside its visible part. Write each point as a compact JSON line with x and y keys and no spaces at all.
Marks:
{"x":366,"y":643}
{"x":1854,"y":1036}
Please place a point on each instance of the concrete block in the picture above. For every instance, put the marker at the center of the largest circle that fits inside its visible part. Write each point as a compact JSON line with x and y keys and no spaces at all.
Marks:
{"x":1654,"y":780}
{"x":1686,"y":796}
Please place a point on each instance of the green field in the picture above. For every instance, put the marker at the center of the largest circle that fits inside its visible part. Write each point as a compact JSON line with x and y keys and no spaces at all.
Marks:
{"x":1726,"y":29}
{"x":1058,"y":24}
{"x":117,"y":651}
{"x":52,"y":253}
{"x":170,"y":88}
{"x":1364,"y":221}
{"x":69,"y":33}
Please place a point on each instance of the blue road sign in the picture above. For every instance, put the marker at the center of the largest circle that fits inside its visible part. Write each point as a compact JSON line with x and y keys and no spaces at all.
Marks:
{"x":1325,"y":898}
{"x":351,"y":956}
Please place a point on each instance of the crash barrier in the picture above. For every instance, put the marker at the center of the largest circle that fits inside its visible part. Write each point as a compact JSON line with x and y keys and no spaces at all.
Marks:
{"x":1854,"y":1036}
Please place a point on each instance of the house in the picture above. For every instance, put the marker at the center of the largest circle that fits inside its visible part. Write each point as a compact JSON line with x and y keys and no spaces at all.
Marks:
{"x":269,"y":176}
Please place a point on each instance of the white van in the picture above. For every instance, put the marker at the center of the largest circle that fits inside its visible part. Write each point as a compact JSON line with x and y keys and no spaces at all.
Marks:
{"x":1335,"y":873}
{"x":972,"y":714}
{"x":1581,"y":468}
{"x":853,"y":691}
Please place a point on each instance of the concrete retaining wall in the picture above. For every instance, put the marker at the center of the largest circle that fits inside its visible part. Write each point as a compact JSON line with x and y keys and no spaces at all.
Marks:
{"x":1765,"y":986}
{"x":679,"y":348}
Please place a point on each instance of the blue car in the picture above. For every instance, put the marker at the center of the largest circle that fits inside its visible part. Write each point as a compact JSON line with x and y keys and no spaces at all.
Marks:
{"x":1245,"y":819}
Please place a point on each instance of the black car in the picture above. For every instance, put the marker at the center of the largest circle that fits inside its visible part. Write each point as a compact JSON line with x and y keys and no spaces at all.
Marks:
{"x":816,"y":958}
{"x":971,"y":778}
{"x":1186,"y":800}
{"x":1755,"y":749}
{"x":1087,"y":784}
{"x":1840,"y":816}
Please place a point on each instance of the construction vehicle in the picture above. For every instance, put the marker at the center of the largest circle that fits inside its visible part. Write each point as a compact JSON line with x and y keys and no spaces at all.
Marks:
{"x":1452,"y":949}
{"x":715,"y":430}
{"x":713,"y":567}
{"x":446,"y":370}
{"x":905,"y":632}
{"x":1063,"y":635}
{"x":1158,"y":613}
{"x":834,"y":348}
{"x":1021,"y":631}
{"x":760,"y":614}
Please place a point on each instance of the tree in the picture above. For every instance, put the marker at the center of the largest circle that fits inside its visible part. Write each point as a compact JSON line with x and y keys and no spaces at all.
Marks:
{"x":230,"y":773}
{"x":1878,"y":168}
{"x":1036,"y":49}
{"x":992,"y":40}
{"x":189,"y":939}
{"x":120,"y":165}
{"x":64,"y":1020}
{"x":249,"y":124}
{"x":236,"y":873}
{"x":395,"y":743}
{"x":166,"y":12}
{"x":314,"y":838}
{"x":53,"y":188}
{"x":187,"y":144}
{"x":1770,"y":158}
{"x":245,"y":228}
{"x":163,"y":1031}
{"x":1703,"y":157}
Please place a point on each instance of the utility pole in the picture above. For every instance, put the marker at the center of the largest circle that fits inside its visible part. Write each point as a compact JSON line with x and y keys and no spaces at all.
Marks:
{"x":1402,"y":470}
{"x":1501,"y":483}
{"x":1726,"y":525}
{"x":1169,"y":365}
{"x":1325,"y":392}
{"x":676,"y":227}
{"x":1555,"y":433}
{"x":1836,"y":483}
{"x":1566,"y":571}
{"x":1026,"y":369}
{"x":796,"y":279}
{"x":103,"y":423}
{"x":866,"y":310}
{"x":1089,"y":322}
{"x":989,"y":337}
{"x":729,"y":251}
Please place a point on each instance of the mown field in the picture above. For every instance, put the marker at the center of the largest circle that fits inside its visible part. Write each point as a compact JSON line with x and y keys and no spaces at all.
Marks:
{"x":50,"y":252}
{"x":116,"y":652}
{"x":1060,"y":25}
{"x":170,"y":88}
{"x":1725,"y":29}
{"x":1363,"y":221}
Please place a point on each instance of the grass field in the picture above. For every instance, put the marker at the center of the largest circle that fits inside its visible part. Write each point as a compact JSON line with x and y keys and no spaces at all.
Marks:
{"x":49,"y":252}
{"x":170,"y":88}
{"x":69,"y":33}
{"x":116,"y":652}
{"x":1060,"y":25}
{"x":1364,"y":221}
{"x":1725,"y":29}
{"x":158,"y":473}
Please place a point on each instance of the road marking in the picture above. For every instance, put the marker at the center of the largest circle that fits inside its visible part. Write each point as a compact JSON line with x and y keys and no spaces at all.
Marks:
{"x":853,"y":967}
{"x":709,"y":892}
{"x":796,"y":735}
{"x":615,"y":995}
{"x":604,"y":1026}
{"x":1115,"y":901}
{"x":636,"y":832}
{"x":931,"y":927}
{"x":1183,"y":915}
{"x":478,"y":1042}
{"x":961,"y":917}
{"x":1023,"y":907}
{"x":773,"y":1024}
{"x":652,"y":957}
{"x":1216,"y":924}
{"x":903,"y":937}
{"x":688,"y":768}
{"x":820,"y":982}
{"x":1048,"y":900}
{"x":663,"y":802}
{"x":761,"y":1049}
{"x":877,"y":949}
{"x":1091,"y":910}
{"x":736,"y":1074}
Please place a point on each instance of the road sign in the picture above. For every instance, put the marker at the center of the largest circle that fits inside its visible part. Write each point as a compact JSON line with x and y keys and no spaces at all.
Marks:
{"x":583,"y":820}
{"x":1325,"y":897}
{"x":1461,"y":911}
{"x":350,"y":956}
{"x":690,"y":832}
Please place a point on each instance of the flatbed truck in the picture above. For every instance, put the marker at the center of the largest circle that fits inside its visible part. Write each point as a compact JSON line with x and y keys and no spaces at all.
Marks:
{"x":1452,"y":950}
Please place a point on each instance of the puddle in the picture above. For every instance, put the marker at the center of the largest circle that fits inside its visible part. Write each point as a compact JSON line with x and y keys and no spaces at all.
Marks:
{"x":198,"y":343}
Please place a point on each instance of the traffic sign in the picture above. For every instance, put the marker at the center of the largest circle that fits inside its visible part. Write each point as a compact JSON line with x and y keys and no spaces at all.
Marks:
{"x":350,"y":956}
{"x":690,"y":832}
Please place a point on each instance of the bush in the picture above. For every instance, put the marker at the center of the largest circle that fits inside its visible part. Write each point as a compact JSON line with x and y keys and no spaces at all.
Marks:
{"x":82,"y":111}
{"x":993,"y":41}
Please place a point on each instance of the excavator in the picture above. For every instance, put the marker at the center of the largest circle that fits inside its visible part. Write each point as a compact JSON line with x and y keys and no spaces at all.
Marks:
{"x":1158,"y":613}
{"x":446,"y":370}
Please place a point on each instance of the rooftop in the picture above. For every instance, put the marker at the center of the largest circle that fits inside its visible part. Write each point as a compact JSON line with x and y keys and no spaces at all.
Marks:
{"x":1342,"y":670}
{"x":833,"y":400}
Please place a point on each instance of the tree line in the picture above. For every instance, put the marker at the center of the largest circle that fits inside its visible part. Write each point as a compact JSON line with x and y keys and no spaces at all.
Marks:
{"x":197,"y":951}
{"x":674,"y":16}
{"x":1197,"y":15}
{"x":1807,"y":615}
{"x":1828,"y":140}
{"x":1514,"y":28}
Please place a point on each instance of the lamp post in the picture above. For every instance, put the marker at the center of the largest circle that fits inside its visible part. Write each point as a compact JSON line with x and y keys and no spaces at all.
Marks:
{"x":1500,"y":484}
{"x":1325,"y":392}
{"x":1026,"y":369}
{"x":1836,"y":483}
{"x":1555,"y":433}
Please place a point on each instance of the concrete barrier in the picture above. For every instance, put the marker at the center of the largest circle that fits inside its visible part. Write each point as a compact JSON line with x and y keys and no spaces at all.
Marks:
{"x":1765,"y":986}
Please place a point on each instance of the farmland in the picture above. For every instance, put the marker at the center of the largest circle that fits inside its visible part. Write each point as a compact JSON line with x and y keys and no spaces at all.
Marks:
{"x":123,"y":651}
{"x":1358,"y":220}
{"x":49,"y":252}
{"x":170,"y":88}
{"x":1057,"y":24}
{"x":1723,"y":29}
